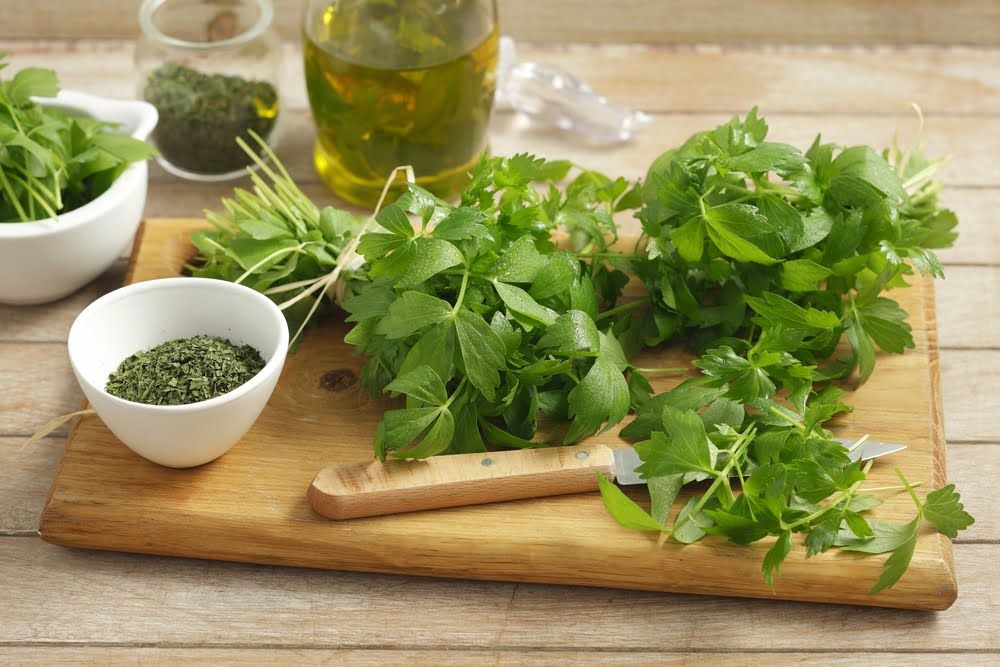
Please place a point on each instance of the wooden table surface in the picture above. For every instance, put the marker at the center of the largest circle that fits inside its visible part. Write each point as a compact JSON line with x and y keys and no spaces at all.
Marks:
{"x":66,"y":605}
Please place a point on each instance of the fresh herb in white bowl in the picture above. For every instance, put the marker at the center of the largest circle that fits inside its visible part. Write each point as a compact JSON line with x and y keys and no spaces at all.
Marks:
{"x":72,"y":184}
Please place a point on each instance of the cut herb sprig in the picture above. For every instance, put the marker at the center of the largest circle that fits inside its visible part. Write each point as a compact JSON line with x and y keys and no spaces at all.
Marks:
{"x":764,"y":257}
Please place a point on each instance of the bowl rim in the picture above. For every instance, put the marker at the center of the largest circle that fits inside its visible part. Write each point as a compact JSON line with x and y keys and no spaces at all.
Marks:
{"x":271,"y":367}
{"x":128,"y":181}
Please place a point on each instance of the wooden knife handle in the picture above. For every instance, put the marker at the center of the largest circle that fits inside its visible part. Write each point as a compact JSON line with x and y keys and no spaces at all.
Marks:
{"x":353,"y":490}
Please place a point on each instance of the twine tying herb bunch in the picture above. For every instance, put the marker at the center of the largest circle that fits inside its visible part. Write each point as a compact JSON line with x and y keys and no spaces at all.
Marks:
{"x":186,"y":370}
{"x":275,"y":240}
{"x":202,"y":114}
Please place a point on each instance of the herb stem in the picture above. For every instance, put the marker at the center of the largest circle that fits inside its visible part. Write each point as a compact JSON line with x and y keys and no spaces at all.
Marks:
{"x":721,"y":476}
{"x":461,"y":293}
{"x":676,"y":369}
{"x":909,"y":487}
{"x":844,"y":495}
{"x":624,"y":308}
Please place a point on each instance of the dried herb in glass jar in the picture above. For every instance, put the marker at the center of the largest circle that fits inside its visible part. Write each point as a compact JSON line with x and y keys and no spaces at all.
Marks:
{"x":201,"y":115}
{"x":186,"y":370}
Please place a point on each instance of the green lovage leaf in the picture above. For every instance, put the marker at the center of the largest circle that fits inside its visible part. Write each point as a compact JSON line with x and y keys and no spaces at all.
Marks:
{"x":885,"y":323}
{"x":434,"y":350}
{"x":482,"y":352}
{"x":624,"y":510}
{"x":746,"y":381}
{"x":736,"y":230}
{"x":520,"y":263}
{"x":768,"y":156}
{"x":663,"y":491}
{"x":897,"y":562}
{"x":858,"y":172}
{"x":422,"y":383}
{"x":692,"y":394}
{"x":570,"y":333}
{"x":802,"y":275}
{"x":689,"y":239}
{"x":601,"y":398}
{"x":775,"y":556}
{"x":31,"y":82}
{"x":944,"y":510}
{"x":529,"y":311}
{"x":431,"y":257}
{"x":462,"y":223}
{"x":557,"y":277}
{"x":411,"y":312}
{"x":775,"y":309}
{"x":682,"y":446}
{"x":435,"y":441}
{"x":393,"y":219}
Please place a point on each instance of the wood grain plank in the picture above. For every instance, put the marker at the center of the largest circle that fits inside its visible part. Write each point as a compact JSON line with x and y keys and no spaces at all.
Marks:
{"x":968,"y":301}
{"x":974,"y":469}
{"x":38,"y":384}
{"x":978,"y":234}
{"x":25,"y":478}
{"x":682,"y":21}
{"x":51,"y":322}
{"x":163,"y":601}
{"x":969,"y":381}
{"x":944,"y":81}
{"x":235,"y":657}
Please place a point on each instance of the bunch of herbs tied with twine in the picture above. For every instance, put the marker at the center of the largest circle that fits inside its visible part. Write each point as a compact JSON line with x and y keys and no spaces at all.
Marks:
{"x":52,"y":161}
{"x":759,"y":255}
{"x":201,"y":115}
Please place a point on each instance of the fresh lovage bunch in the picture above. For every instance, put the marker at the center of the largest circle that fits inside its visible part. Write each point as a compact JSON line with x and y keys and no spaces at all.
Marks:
{"x":741,"y":233}
{"x":50,"y":161}
{"x":765,"y":257}
{"x":482,"y":322}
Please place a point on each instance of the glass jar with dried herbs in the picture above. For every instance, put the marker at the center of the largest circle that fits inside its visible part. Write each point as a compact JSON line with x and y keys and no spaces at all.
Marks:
{"x":211,"y":69}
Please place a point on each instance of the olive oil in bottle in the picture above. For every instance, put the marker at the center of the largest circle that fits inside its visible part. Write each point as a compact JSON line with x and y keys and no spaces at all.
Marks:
{"x":404,"y":82}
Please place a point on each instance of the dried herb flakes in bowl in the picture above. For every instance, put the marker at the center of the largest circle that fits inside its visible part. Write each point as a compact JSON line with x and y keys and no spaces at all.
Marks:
{"x":186,"y":370}
{"x":201,"y":115}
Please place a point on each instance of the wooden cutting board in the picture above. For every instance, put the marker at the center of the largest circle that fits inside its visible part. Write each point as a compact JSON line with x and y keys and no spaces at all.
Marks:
{"x":250,"y":505}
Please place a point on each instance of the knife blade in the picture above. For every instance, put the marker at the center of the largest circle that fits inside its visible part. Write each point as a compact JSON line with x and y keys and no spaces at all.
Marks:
{"x":376,"y":488}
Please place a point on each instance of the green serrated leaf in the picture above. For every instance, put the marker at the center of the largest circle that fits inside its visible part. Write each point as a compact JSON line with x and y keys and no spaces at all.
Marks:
{"x":624,"y":510}
{"x":411,"y":312}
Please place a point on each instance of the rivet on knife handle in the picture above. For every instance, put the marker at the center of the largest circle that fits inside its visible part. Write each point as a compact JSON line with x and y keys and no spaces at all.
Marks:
{"x":353,"y":490}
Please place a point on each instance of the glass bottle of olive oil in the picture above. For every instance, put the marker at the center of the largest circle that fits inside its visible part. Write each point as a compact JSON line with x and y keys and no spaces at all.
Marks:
{"x":399,"y":82}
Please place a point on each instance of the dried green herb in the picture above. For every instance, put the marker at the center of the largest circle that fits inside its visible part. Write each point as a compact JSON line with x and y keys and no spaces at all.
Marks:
{"x":201,"y":115}
{"x":186,"y":370}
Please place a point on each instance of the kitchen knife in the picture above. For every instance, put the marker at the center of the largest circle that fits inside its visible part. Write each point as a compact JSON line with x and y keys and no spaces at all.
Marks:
{"x":374,"y":488}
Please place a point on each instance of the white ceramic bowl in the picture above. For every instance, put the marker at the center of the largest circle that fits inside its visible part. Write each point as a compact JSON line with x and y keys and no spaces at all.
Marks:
{"x":45,"y":260}
{"x":143,"y":315}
